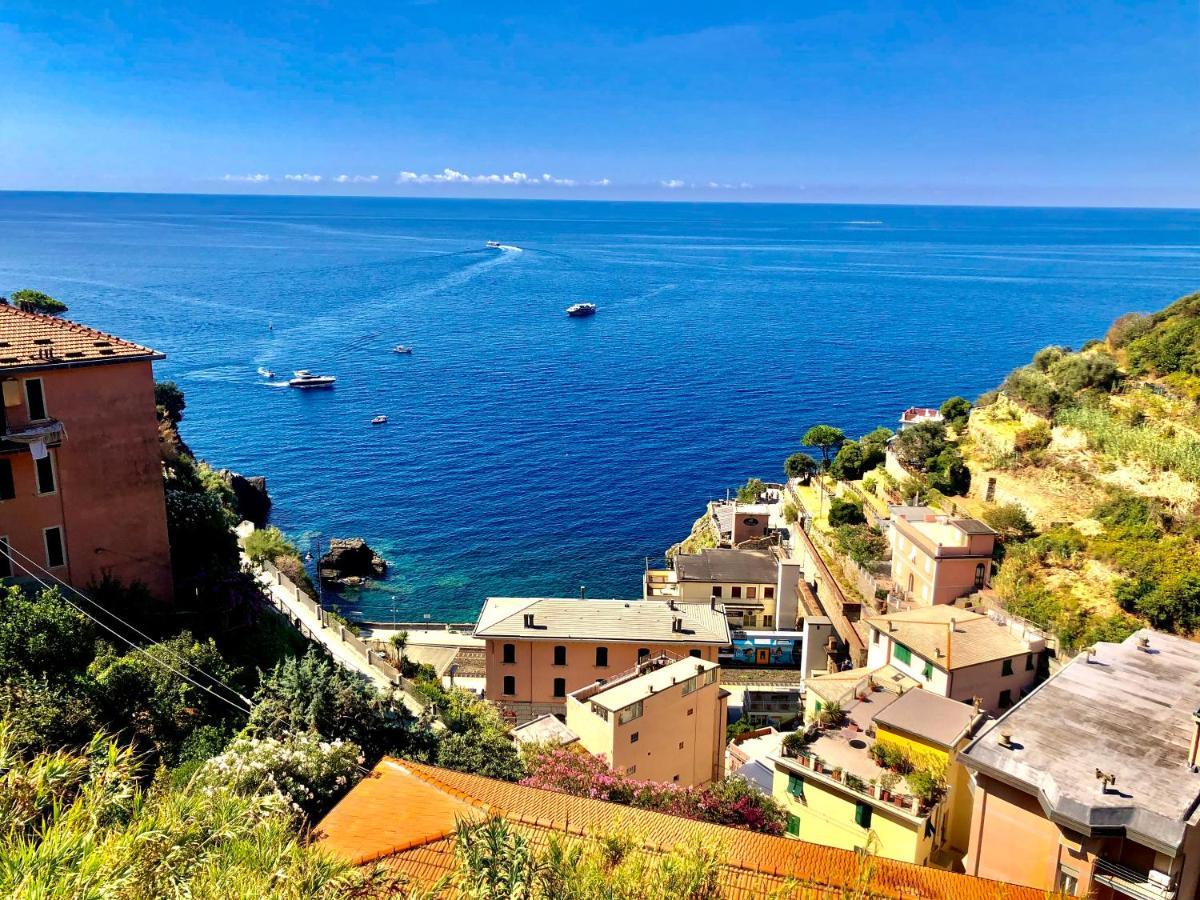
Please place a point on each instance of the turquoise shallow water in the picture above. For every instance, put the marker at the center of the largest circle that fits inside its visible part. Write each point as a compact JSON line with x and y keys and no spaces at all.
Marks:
{"x":529,"y":453}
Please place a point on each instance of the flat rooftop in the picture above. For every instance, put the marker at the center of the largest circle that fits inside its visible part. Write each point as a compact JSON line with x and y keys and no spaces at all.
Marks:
{"x":602,"y":621}
{"x":930,"y":716}
{"x":1128,"y":713}
{"x":724,"y":565}
{"x":641,"y":687}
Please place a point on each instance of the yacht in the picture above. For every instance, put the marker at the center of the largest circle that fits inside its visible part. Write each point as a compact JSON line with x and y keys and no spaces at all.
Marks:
{"x":306,"y":379}
{"x":579,"y":310}
{"x":401,"y":348}
{"x":494,"y":245}
{"x":379,"y":420}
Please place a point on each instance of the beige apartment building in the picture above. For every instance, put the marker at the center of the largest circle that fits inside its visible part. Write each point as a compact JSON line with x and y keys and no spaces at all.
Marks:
{"x":937,"y":559}
{"x":957,"y":653}
{"x":1090,"y":786}
{"x":539,"y":650}
{"x":663,"y":720}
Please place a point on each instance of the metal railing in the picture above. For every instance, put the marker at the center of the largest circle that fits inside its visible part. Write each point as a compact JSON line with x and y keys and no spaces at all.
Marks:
{"x":1130,"y":882}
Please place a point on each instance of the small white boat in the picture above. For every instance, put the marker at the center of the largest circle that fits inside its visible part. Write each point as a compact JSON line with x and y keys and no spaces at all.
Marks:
{"x":379,"y":420}
{"x":265,"y":373}
{"x":494,"y":245}
{"x":580,"y":310}
{"x":306,"y":379}
{"x":400,"y":348}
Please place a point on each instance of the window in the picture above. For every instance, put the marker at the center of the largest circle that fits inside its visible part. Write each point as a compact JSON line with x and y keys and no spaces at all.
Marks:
{"x":560,"y":655}
{"x":979,"y":576}
{"x":691,"y":710}
{"x":601,"y":657}
{"x":35,"y":399}
{"x":44,"y":469}
{"x":902,"y":654}
{"x":676,"y":778}
{"x":600,"y":711}
{"x":768,"y":621}
{"x":1005,"y":699}
{"x":694,"y":653}
{"x":862,"y":814}
{"x":629,"y":713}
{"x":710,"y":676}
{"x":633,"y":738}
{"x":1068,"y":881}
{"x":56,"y":554}
{"x":510,"y":653}
{"x":7,"y":489}
{"x":796,"y":786}
{"x":1028,"y":662}
{"x":691,"y":684}
{"x":928,"y":671}
{"x":680,"y":747}
{"x":736,"y":592}
{"x":5,"y":560}
{"x":751,"y":593}
{"x":793,"y":826}
{"x":769,"y":593}
{"x":876,"y":636}
{"x":643,"y":654}
{"x":510,"y":685}
{"x":716,"y":592}
{"x":1006,"y":667}
{"x":560,"y":687}
{"x":751,"y":620}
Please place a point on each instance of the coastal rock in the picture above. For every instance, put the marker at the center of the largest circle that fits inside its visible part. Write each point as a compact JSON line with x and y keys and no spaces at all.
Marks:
{"x":253,"y":501}
{"x":349,"y":560}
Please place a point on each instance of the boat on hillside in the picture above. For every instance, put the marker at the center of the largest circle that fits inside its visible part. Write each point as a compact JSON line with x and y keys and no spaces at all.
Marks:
{"x":401,"y":348}
{"x":580,"y":310}
{"x":306,"y":379}
{"x":379,"y":420}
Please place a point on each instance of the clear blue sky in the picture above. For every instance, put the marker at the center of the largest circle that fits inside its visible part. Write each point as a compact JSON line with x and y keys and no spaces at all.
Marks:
{"x":1079,"y":103}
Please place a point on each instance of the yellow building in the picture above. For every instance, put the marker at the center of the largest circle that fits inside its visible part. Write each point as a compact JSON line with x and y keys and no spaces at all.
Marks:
{"x":837,"y":794}
{"x":757,"y":589}
{"x":663,"y":720}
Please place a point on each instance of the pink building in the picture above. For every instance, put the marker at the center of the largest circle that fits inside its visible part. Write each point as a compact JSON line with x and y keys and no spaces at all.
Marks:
{"x":538,"y":650}
{"x":81,"y":489}
{"x":937,"y":558}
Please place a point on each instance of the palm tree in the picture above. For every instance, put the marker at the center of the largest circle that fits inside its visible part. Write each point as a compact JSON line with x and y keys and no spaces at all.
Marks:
{"x":399,"y":642}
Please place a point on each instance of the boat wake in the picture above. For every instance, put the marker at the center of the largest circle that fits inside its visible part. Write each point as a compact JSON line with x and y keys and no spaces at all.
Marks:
{"x":509,"y":248}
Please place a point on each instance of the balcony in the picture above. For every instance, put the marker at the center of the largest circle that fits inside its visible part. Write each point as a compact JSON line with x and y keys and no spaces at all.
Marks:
{"x":17,"y":438}
{"x":1131,"y":882}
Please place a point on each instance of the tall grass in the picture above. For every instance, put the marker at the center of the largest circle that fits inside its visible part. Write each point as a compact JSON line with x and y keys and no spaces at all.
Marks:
{"x":1155,"y":447}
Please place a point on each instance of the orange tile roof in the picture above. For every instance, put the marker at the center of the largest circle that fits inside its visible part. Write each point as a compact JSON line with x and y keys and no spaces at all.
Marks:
{"x":406,"y":813}
{"x":34,"y":341}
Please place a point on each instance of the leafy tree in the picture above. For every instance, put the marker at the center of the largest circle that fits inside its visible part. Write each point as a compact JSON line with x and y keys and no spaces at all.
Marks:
{"x":169,"y":400}
{"x":1127,"y":328}
{"x":41,"y":635}
{"x":37,"y":302}
{"x":957,"y":412}
{"x":312,"y":694}
{"x":845,"y":512}
{"x":918,"y":445}
{"x":948,"y":474}
{"x":1083,"y":371}
{"x":749,"y":492}
{"x":491,"y":754}
{"x":1045,"y":358}
{"x":399,"y":641}
{"x":825,"y":438}
{"x":866,"y":546}
{"x":800,"y":465}
{"x":848,"y":464}
{"x":1032,"y":388}
{"x":1009,"y":520}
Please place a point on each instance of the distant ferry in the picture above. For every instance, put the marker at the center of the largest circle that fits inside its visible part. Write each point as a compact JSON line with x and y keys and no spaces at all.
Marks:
{"x":306,"y":379}
{"x":579,"y":310}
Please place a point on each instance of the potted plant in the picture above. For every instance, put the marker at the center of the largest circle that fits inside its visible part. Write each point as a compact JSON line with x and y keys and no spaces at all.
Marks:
{"x":837,"y":773}
{"x":793,"y":743}
{"x":855,"y":783}
{"x":887,"y":784}
{"x":819,"y":764}
{"x":873,"y":788}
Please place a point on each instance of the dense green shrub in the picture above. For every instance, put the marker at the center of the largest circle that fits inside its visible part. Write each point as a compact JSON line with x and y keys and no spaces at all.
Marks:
{"x":750,"y":491}
{"x":919,"y":445}
{"x":1035,"y":437}
{"x":1128,"y":327}
{"x":865,"y":545}
{"x":800,"y":465}
{"x":1032,"y":389}
{"x":957,"y":412}
{"x":1009,"y":520}
{"x":1046,"y":358}
{"x":37,"y":302}
{"x":845,"y":512}
{"x":1080,"y":372}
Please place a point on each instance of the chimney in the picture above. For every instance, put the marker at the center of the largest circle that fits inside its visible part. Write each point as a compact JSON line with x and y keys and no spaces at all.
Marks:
{"x":671,"y":604}
{"x":528,"y":620}
{"x":677,"y":624}
{"x":1143,"y":643}
{"x":1194,"y":751}
{"x":1106,"y":780}
{"x":583,"y":592}
{"x":891,"y":626}
{"x":712,"y":603}
{"x":1005,"y":739}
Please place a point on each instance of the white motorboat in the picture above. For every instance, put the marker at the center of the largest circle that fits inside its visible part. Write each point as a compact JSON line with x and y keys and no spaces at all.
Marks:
{"x":494,"y":245}
{"x":379,"y":420}
{"x":580,"y":310}
{"x":401,"y":348}
{"x":306,"y":379}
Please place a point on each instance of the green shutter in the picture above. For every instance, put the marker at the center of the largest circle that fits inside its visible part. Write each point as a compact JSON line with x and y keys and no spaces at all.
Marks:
{"x":928,"y":671}
{"x":796,"y":786}
{"x":793,"y":826}
{"x":862,"y":814}
{"x":903,"y":654}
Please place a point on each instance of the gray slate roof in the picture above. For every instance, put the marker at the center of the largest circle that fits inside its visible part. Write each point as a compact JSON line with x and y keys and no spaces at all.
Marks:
{"x":724,"y":565}
{"x":931,"y":716}
{"x":1127,"y":713}
{"x":557,"y":618}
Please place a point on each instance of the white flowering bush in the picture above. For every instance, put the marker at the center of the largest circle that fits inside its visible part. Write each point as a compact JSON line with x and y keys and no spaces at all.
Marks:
{"x":304,"y":771}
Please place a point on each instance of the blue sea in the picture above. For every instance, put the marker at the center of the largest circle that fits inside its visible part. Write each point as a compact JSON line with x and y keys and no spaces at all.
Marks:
{"x":528,"y":453}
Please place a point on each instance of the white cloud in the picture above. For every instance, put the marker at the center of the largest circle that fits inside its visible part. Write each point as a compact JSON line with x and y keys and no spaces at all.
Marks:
{"x":453,"y":176}
{"x":310,"y":179}
{"x":253,"y":179}
{"x":672,"y":183}
{"x":356,"y":179}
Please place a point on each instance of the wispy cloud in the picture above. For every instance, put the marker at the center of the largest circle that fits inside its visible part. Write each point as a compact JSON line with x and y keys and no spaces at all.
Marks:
{"x":672,"y":183}
{"x":307,"y":178}
{"x":356,"y":179}
{"x":725,"y":186}
{"x":453,"y":176}
{"x":251,"y":179}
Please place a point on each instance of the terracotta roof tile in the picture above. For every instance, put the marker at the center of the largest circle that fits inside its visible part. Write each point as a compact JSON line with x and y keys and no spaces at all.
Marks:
{"x":34,"y":341}
{"x":407,"y":812}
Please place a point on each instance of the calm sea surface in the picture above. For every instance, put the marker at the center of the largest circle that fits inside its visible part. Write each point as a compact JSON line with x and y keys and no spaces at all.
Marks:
{"x":528,"y":453}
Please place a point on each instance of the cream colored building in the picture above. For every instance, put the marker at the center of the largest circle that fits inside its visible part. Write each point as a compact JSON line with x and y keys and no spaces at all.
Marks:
{"x":664,"y":720}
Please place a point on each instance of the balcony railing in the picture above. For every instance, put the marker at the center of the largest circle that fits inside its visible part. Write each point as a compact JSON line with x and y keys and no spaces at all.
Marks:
{"x":19,"y":437}
{"x":1131,"y":882}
